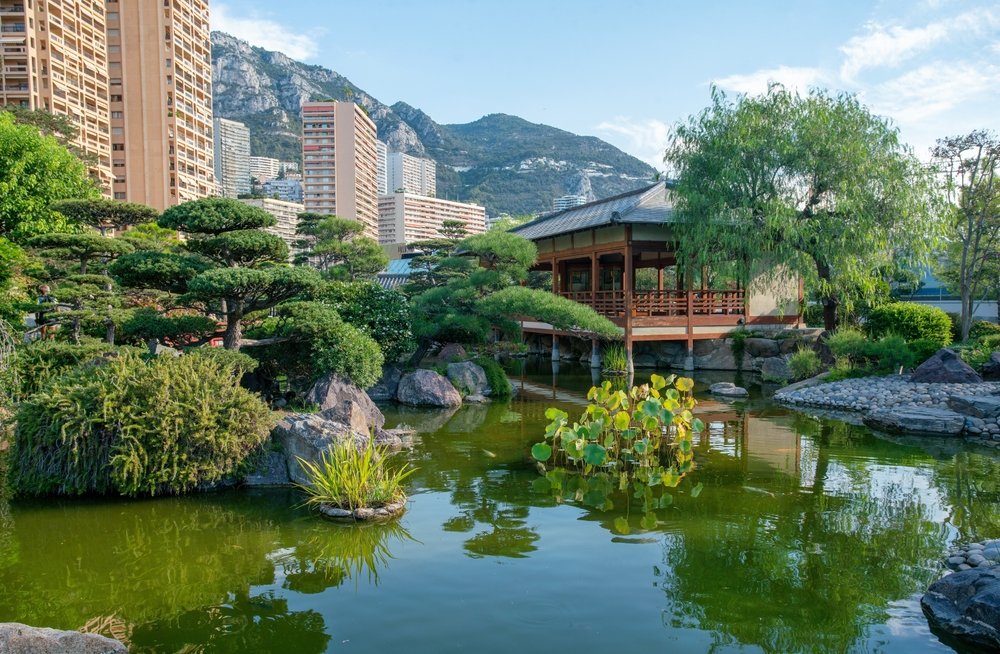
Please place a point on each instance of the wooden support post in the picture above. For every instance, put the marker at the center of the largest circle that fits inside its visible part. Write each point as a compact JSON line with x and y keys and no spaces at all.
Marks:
{"x":555,"y":347}
{"x":628,"y":283}
{"x":595,"y":353}
{"x":689,"y":359}
{"x":659,"y":278}
{"x":594,"y":272}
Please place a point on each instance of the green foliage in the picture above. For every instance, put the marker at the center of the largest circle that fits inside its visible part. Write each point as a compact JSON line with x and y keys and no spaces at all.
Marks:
{"x":145,"y":324}
{"x":39,"y":363}
{"x":500,"y":387}
{"x":509,"y":254}
{"x":923,"y":349}
{"x":244,"y":247}
{"x":105,"y":214}
{"x":11,"y":260}
{"x":886,"y":355}
{"x":558,"y":311}
{"x":135,"y":428}
{"x":237,"y":363}
{"x":615,"y":359}
{"x":82,"y":247}
{"x":910,"y":320}
{"x":638,"y":442}
{"x":981,"y":328}
{"x":215,"y":216}
{"x":804,"y":363}
{"x":383,"y":314}
{"x":167,"y":271}
{"x":36,"y":171}
{"x":254,"y":289}
{"x":738,"y":346}
{"x":353,"y":478}
{"x":817,"y":183}
{"x":151,"y":237}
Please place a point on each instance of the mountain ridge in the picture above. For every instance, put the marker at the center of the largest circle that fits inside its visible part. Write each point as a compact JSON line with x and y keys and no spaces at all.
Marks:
{"x":504,"y":162}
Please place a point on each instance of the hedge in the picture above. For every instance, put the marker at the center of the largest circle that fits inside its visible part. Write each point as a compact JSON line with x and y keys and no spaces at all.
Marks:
{"x":911,"y":321}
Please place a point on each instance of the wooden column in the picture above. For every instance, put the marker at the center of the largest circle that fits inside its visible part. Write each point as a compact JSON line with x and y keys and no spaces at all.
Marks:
{"x":659,"y":278}
{"x":593,"y":278}
{"x":627,"y":283}
{"x":689,"y":360}
{"x":555,"y":275}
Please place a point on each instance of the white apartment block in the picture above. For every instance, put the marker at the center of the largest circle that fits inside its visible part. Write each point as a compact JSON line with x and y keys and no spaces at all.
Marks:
{"x":264,"y":168}
{"x":568,"y":202}
{"x":287,"y":215}
{"x":406,"y":217}
{"x":232,"y":157}
{"x":382,"y":151}
{"x":411,"y":174}
{"x":289,"y":190}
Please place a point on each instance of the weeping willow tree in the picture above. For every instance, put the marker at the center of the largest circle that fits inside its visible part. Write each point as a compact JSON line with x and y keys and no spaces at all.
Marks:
{"x":817,"y":184}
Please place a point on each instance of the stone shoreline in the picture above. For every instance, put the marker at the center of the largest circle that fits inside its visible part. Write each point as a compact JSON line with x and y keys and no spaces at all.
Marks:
{"x":953,"y":405}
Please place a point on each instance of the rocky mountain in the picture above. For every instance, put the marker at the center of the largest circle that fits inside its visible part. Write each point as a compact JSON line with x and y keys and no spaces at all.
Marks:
{"x":503,"y":162}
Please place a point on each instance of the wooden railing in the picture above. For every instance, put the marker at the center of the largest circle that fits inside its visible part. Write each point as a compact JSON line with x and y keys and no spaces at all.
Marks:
{"x":663,"y":303}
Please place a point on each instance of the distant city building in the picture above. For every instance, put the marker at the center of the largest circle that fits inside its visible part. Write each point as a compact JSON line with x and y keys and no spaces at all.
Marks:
{"x":382,"y":151}
{"x":264,"y":168}
{"x":287,"y":215}
{"x":160,"y":77}
{"x":568,"y":202}
{"x":340,"y":163}
{"x":54,"y":56}
{"x":411,"y":174}
{"x":287,"y":167}
{"x":289,"y":190}
{"x":405,"y":217}
{"x":232,"y":157}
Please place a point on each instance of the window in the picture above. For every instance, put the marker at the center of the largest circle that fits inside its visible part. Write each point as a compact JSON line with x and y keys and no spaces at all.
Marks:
{"x":117,"y":114}
{"x":119,"y":195}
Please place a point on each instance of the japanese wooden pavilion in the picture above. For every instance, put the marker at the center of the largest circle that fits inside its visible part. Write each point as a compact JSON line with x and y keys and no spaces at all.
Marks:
{"x":597,"y":251}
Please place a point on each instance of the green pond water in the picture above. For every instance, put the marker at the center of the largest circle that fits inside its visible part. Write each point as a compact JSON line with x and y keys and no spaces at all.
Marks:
{"x":808,"y":536}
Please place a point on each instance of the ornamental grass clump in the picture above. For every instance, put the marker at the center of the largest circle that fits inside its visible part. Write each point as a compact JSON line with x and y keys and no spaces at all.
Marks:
{"x":352,"y":478}
{"x":637,"y":442}
{"x":615,"y":359}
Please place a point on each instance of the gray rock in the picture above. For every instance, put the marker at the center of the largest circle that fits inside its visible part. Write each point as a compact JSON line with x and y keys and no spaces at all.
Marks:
{"x":717,"y":354}
{"x":384,"y":389}
{"x":477,"y":399}
{"x":452,"y":352}
{"x":307,"y":436}
{"x":789,"y":345}
{"x":966,"y":605}
{"x":647,"y":360}
{"x":271,"y":471}
{"x":977,"y":406}
{"x":945,"y":367}
{"x":427,"y":388}
{"x":775,"y":369}
{"x":727,"y":389}
{"x":342,"y":401}
{"x":16,"y":638}
{"x":761,"y":347}
{"x":469,"y":378}
{"x":956,"y":560}
{"x":916,"y":420}
{"x":991,"y":369}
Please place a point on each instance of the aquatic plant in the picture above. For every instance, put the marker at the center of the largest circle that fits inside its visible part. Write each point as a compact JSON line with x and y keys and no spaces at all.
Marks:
{"x":354,"y":478}
{"x":637,"y":442}
{"x":615,"y":360}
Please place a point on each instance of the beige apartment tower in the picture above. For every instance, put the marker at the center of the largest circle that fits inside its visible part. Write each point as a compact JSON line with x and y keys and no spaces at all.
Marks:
{"x":411,"y":174}
{"x":405,"y":217}
{"x":160,"y":70}
{"x":340,"y":163}
{"x":54,"y":56}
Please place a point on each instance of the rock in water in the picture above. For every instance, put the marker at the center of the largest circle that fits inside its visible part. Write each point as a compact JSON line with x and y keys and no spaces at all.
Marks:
{"x":978,"y":406}
{"x":427,"y":388}
{"x":18,"y":638}
{"x":342,"y":401}
{"x":966,"y":605}
{"x":385,"y":389}
{"x":945,"y":367}
{"x":469,"y":378}
{"x":916,"y":420}
{"x":727,"y":389}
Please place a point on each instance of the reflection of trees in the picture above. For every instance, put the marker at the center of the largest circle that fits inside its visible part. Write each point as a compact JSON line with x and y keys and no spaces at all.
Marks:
{"x":802,"y":571}
{"x":971,"y":485}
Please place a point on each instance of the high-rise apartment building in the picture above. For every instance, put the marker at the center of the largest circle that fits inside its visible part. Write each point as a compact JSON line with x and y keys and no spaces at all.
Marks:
{"x":339,"y":163}
{"x":54,"y":56}
{"x":232,"y":157}
{"x":285,"y":213}
{"x":264,"y":168}
{"x":160,"y":70}
{"x":405,"y":217}
{"x":568,"y":202}
{"x":289,"y":190}
{"x":411,"y":174}
{"x":382,"y":150}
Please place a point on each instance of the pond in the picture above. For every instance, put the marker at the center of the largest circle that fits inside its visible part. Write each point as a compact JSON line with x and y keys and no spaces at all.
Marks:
{"x":809,"y":535}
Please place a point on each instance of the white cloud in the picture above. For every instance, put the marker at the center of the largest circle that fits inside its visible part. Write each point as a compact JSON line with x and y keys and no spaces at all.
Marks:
{"x":891,"y":45}
{"x":264,"y":33}
{"x":933,"y":89}
{"x":646,"y":139}
{"x":792,"y":78}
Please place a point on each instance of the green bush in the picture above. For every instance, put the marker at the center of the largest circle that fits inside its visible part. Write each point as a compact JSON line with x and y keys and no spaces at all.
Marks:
{"x":856,"y":352}
{"x":849,"y":344}
{"x":956,"y":327}
{"x":133,"y":427}
{"x":381,"y":313}
{"x":238,"y":363}
{"x":889,"y":354}
{"x":911,"y":321}
{"x":804,"y":363}
{"x":496,"y":377}
{"x":145,"y":324}
{"x":923,"y":349}
{"x":982,"y":328}
{"x":38,"y":364}
{"x":812,"y":315}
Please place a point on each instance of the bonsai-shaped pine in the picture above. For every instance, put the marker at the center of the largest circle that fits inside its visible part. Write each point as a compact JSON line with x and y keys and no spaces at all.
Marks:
{"x":105,"y":215}
{"x":427,"y":269}
{"x":85,"y":295}
{"x":251,"y":271}
{"x":336,"y":246}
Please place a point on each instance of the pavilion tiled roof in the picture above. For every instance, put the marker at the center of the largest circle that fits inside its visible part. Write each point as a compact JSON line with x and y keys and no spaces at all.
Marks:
{"x":645,"y":205}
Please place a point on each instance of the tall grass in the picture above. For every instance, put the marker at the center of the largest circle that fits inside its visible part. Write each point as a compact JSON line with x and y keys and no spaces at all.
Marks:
{"x":353,"y":478}
{"x":615,"y":359}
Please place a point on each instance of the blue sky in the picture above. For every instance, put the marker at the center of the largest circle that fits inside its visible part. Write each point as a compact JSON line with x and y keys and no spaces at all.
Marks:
{"x":627,"y":70}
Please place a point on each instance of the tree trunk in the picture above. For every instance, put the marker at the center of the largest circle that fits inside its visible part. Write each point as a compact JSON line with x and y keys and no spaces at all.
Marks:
{"x":83,"y":265}
{"x":423,"y":345}
{"x":965,"y":320}
{"x":75,"y":334}
{"x":233,"y":338}
{"x":829,"y":301}
{"x":109,"y":334}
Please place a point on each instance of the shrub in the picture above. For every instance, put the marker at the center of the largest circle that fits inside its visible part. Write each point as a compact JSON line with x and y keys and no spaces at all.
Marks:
{"x":145,"y":324}
{"x":496,"y":377}
{"x":381,"y":313}
{"x":812,"y":315}
{"x":849,"y":344}
{"x":615,"y":360}
{"x":923,"y":349}
{"x":956,"y":327}
{"x":869,"y":357}
{"x":353,"y":478}
{"x":982,"y":328}
{"x":889,"y":354}
{"x":238,"y":363}
{"x":38,"y":364}
{"x":911,"y":321}
{"x":804,"y":363}
{"x":137,"y":428}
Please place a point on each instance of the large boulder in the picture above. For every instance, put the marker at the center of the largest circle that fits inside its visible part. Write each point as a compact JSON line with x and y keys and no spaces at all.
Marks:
{"x":16,"y":638}
{"x":916,"y":420}
{"x":271,"y":470}
{"x":469,"y":378}
{"x":384,"y":389}
{"x":344,"y":402}
{"x":945,"y":367}
{"x":991,"y":369}
{"x":966,"y":605}
{"x":760,"y":347}
{"x":978,"y":406}
{"x":451,"y":352}
{"x":427,"y":388}
{"x":717,"y":354}
{"x":775,"y":369}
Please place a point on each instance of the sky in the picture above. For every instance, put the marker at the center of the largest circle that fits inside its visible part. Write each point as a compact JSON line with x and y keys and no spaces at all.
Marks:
{"x":628,"y":70}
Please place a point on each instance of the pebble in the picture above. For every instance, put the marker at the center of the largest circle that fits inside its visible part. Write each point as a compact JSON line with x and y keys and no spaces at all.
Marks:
{"x":974,"y":555}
